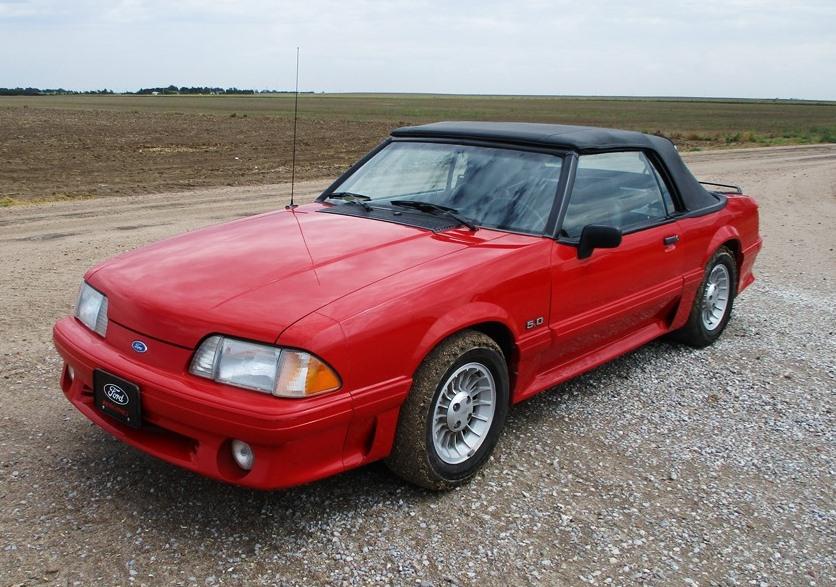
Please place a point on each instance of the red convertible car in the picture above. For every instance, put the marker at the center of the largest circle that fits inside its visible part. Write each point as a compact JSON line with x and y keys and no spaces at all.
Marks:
{"x":457,"y":269}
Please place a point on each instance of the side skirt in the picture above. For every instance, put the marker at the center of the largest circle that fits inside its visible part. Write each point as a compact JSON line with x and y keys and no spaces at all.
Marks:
{"x":592,"y":359}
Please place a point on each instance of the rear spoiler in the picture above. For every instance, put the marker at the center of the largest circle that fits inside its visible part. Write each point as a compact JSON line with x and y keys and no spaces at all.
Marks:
{"x":733,"y":188}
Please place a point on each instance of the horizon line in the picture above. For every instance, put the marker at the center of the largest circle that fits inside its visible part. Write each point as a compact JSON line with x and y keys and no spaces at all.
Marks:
{"x":267,"y":91}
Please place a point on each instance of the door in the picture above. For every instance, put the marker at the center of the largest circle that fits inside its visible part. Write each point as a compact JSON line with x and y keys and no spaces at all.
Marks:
{"x":614,"y":292}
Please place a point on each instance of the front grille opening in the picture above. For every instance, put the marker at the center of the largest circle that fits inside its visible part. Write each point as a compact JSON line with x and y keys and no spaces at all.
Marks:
{"x":168,"y":442}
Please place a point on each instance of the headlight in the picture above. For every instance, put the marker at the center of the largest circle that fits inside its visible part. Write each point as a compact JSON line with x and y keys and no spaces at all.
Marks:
{"x":91,"y":309}
{"x":260,"y":367}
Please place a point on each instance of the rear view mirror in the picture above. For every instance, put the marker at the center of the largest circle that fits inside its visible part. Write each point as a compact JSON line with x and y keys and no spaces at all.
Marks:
{"x":595,"y":236}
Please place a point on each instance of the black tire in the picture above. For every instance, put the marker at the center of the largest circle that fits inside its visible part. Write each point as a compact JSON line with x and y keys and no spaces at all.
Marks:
{"x":695,"y":333}
{"x":413,"y":455}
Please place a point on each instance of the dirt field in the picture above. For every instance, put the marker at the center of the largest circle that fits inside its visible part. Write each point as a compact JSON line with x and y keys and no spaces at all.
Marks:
{"x":669,"y":466}
{"x":60,"y":153}
{"x":54,"y":147}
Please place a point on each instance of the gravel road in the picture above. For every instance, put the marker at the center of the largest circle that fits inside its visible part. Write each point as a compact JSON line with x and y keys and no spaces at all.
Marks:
{"x":669,"y":466}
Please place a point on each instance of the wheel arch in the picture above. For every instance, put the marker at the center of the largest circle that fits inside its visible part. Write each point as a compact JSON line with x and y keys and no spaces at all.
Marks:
{"x":726,"y":236}
{"x":736,"y":248}
{"x":488,"y":319}
{"x":503,"y":336}
{"x":729,"y":237}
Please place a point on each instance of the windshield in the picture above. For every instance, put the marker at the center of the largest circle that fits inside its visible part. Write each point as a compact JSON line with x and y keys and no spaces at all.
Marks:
{"x":497,"y":188}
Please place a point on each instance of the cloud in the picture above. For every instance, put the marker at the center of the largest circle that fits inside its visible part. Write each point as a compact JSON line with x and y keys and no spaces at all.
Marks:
{"x":18,"y":9}
{"x":746,"y":48}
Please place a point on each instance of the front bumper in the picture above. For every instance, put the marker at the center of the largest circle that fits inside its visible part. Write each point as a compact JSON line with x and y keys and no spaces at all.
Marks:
{"x":191,"y":422}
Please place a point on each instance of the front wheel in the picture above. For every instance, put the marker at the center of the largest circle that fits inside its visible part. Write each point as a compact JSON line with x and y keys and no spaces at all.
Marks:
{"x":713,"y":303}
{"x":452,"y":418}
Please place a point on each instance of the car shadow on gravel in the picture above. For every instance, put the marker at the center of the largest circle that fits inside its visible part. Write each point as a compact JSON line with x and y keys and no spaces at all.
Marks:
{"x":124,"y":482}
{"x":601,"y":380}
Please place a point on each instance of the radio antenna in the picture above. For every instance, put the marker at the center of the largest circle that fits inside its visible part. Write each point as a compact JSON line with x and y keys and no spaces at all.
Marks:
{"x":295,"y":116}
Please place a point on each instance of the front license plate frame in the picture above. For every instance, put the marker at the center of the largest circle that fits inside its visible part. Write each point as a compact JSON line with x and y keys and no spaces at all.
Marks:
{"x":118,"y":398}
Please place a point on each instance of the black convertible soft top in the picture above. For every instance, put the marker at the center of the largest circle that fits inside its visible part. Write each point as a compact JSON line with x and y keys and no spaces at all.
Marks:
{"x":582,"y":139}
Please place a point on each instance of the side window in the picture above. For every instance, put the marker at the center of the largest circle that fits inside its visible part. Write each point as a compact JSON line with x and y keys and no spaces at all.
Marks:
{"x":623,"y":190}
{"x":666,"y":193}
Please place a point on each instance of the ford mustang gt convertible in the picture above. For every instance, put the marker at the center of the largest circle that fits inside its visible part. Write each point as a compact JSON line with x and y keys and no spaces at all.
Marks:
{"x":457,"y":269}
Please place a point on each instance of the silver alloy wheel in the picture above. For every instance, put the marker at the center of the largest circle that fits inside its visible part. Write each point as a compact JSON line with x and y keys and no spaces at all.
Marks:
{"x":463,"y":413}
{"x":715,"y":299}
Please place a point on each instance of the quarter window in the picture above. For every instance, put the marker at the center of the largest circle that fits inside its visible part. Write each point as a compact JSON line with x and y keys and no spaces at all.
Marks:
{"x":622,"y":189}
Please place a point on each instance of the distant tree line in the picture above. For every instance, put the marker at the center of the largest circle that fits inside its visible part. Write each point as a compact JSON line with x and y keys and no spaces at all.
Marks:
{"x":193,"y":90}
{"x":168,"y":90}
{"x":47,"y":92}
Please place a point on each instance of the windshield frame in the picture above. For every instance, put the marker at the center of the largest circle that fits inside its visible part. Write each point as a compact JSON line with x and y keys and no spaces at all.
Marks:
{"x":560,"y":193}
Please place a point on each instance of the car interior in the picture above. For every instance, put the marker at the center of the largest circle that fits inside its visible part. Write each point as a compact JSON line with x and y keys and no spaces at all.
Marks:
{"x":621,"y":198}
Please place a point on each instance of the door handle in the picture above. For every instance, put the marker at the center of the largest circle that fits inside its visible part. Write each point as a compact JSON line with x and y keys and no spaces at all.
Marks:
{"x":671,"y":240}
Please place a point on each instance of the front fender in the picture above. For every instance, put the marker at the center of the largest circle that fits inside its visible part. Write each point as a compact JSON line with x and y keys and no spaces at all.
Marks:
{"x":458,"y":319}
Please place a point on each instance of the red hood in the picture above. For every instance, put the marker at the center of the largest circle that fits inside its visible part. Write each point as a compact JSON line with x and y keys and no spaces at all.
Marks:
{"x":255,"y":277}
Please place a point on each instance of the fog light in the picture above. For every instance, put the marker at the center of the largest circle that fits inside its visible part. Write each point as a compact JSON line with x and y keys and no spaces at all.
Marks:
{"x":70,"y":374}
{"x":243,"y":454}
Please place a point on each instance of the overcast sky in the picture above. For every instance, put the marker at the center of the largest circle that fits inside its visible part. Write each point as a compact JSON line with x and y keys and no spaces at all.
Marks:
{"x":740,"y":48}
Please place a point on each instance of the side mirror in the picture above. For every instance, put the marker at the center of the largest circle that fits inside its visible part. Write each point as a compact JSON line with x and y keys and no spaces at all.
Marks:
{"x":595,"y":236}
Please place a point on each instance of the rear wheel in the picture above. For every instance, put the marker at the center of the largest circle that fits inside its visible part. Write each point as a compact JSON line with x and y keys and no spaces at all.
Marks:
{"x":452,"y":418}
{"x":713,"y":303}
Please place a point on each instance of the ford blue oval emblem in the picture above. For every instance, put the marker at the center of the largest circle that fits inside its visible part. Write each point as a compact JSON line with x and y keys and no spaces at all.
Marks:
{"x":116,"y":394}
{"x":139,"y":346}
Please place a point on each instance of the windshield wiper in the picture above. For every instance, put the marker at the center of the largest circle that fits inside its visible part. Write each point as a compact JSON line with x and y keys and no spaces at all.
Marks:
{"x":350,"y":198}
{"x":436,"y":209}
